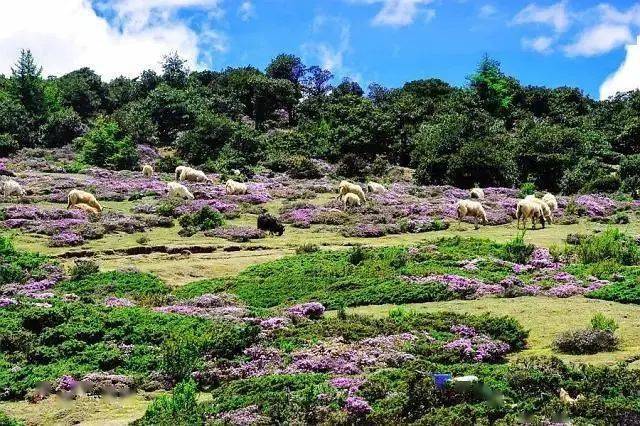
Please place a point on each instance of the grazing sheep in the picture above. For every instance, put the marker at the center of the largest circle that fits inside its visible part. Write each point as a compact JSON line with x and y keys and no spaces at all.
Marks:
{"x":11,"y":187}
{"x":77,"y":196}
{"x":375,"y":187}
{"x":147,"y":170}
{"x":270,"y":224}
{"x":86,"y":208}
{"x":348,"y":187}
{"x":350,"y":199}
{"x":471,"y":208}
{"x":193,"y":175}
{"x":546,"y":210}
{"x":179,"y":190}
{"x":528,"y":209}
{"x":235,"y":188}
{"x":551,"y":201}
{"x":477,"y":193}
{"x":178,"y":171}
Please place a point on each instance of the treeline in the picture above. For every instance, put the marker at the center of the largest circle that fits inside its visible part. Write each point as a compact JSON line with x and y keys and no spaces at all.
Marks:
{"x":493,"y":131}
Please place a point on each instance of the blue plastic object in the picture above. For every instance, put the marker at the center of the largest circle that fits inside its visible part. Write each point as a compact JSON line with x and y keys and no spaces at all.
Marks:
{"x":441,"y":379}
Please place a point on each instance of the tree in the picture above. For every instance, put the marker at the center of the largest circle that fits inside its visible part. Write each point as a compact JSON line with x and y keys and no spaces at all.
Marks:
{"x":62,"y":127}
{"x":84,"y":91}
{"x":348,"y":87}
{"x":27,"y":84}
{"x":174,"y":70}
{"x":287,"y":67}
{"x":104,"y":146}
{"x":495,"y":90}
{"x":316,"y":81}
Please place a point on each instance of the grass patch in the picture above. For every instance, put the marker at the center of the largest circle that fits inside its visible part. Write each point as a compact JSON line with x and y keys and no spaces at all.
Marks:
{"x":134,"y":285}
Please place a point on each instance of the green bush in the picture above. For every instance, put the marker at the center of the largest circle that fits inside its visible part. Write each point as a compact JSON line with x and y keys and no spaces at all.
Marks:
{"x":601,"y":322}
{"x":586,"y":341}
{"x":300,"y":167}
{"x":517,"y":250}
{"x":202,"y":220}
{"x":135,"y":285}
{"x":82,"y":268}
{"x":611,"y":244}
{"x":527,"y":188}
{"x":103,"y":146}
{"x":180,"y":408}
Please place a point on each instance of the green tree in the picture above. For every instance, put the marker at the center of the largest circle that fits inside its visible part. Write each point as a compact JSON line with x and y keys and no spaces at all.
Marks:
{"x":84,"y":91}
{"x":27,"y":84}
{"x":104,"y":146}
{"x":174,"y":70}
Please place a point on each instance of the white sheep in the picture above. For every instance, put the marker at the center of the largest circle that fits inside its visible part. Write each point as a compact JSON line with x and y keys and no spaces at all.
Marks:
{"x":350,"y":199}
{"x":178,"y":171}
{"x":11,"y":187}
{"x":375,"y":187}
{"x":528,"y":209}
{"x":348,"y":187}
{"x":551,"y":201}
{"x":77,"y":196}
{"x":471,"y":208}
{"x":179,"y":190}
{"x":193,"y":175}
{"x":235,"y":188}
{"x":546,"y":210}
{"x":477,"y":193}
{"x":147,"y":170}
{"x":86,"y":208}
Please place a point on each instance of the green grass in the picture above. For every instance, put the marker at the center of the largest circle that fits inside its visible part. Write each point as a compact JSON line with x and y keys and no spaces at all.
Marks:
{"x":544,"y":317}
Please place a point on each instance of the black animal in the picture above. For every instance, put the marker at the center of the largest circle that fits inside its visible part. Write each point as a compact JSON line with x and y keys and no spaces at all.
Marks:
{"x":270,"y":224}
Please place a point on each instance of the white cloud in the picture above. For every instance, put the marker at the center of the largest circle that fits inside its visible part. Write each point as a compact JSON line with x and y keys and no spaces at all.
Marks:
{"x":555,"y":16}
{"x":599,"y":39}
{"x":68,"y":34}
{"x":330,"y":55}
{"x":627,"y":77}
{"x":542,"y":44}
{"x":398,"y":13}
{"x":246,"y":11}
{"x":487,"y":11}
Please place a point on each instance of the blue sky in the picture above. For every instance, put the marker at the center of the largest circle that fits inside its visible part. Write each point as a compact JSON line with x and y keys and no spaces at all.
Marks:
{"x":553,"y":43}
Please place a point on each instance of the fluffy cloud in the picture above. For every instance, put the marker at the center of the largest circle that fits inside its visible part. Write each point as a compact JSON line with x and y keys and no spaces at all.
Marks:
{"x":127,"y":36}
{"x":246,"y":11}
{"x":555,"y":16}
{"x":599,"y":39}
{"x":330,"y":55}
{"x":399,"y":13}
{"x":627,"y":77}
{"x":540,"y":44}
{"x":487,"y":11}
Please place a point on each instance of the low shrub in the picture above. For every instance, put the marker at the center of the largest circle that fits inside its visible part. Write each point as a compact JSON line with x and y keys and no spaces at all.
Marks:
{"x":203,"y":220}
{"x":300,"y":167}
{"x":82,"y":268}
{"x":180,"y":408}
{"x":307,"y":248}
{"x":611,"y":244}
{"x":586,"y":341}
{"x":527,"y":188}
{"x":517,"y":250}
{"x":601,"y":322}
{"x":135,"y":285}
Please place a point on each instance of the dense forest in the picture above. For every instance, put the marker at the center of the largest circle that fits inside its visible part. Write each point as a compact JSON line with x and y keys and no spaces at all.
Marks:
{"x":492,"y":131}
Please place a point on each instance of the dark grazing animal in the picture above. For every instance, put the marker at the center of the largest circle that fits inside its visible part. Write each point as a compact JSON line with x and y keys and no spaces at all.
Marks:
{"x":270,"y":224}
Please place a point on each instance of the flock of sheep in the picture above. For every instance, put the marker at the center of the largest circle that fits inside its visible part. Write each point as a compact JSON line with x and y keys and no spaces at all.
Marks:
{"x":531,"y":207}
{"x":351,"y":195}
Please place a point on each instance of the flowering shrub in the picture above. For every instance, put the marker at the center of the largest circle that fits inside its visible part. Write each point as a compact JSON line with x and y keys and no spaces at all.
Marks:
{"x":311,"y":310}
{"x":64,"y":239}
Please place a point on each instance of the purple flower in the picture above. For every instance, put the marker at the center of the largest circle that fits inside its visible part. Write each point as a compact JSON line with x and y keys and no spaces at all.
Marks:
{"x":463,"y":330}
{"x":5,"y":301}
{"x":65,"y":384}
{"x":351,"y":384}
{"x":311,"y":310}
{"x":565,"y":290}
{"x":357,"y":406}
{"x":117,"y":302}
{"x":274,"y":323}
{"x":64,"y":239}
